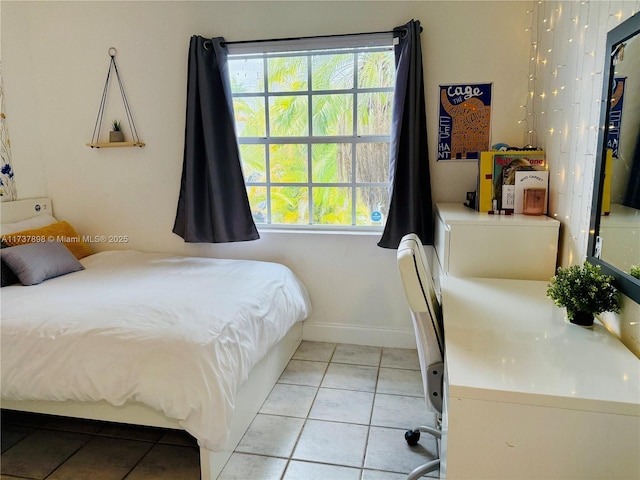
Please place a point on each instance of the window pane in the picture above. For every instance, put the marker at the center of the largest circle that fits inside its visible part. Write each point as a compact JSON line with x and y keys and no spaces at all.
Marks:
{"x":374,"y":113}
{"x":372,"y":163}
{"x":288,"y":116}
{"x":290,"y":205}
{"x":288,"y":163}
{"x":376,"y":69}
{"x":247,"y":75}
{"x":333,"y":114}
{"x":332,"y":205}
{"x":372,"y":205}
{"x":254,"y":165}
{"x":331,"y":162}
{"x":258,"y":202}
{"x":249,"y":114}
{"x":287,"y":74}
{"x":332,"y":72}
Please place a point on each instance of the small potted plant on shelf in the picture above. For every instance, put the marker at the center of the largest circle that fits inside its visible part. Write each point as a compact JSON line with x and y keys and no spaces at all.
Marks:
{"x":584,"y":291}
{"x":116,"y":134}
{"x":635,"y":271}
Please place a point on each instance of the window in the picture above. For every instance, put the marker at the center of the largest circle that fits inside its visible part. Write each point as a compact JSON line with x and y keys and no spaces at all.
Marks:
{"x":313,"y":126}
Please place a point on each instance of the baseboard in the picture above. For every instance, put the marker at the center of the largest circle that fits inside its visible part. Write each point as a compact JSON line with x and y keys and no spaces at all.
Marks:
{"x":374,"y":336}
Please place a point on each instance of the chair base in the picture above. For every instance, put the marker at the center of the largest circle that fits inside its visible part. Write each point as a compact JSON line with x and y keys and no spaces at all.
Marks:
{"x":412,"y":437}
{"x":436,"y":432}
{"x":422,"y":470}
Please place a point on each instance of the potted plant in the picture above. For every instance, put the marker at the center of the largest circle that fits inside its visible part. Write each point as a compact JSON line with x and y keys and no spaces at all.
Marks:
{"x":584,"y":291}
{"x":116,"y":134}
{"x":635,"y":271}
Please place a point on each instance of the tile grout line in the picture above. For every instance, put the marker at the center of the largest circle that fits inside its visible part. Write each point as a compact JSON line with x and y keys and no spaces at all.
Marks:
{"x":69,"y":457}
{"x":373,"y":402}
{"x":140,"y":460}
{"x":306,"y":419}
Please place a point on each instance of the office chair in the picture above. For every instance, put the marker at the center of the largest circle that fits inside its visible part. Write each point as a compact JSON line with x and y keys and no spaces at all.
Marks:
{"x":426,"y":314}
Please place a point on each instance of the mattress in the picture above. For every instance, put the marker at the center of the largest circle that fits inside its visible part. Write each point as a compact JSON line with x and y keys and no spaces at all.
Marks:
{"x":179,"y":334}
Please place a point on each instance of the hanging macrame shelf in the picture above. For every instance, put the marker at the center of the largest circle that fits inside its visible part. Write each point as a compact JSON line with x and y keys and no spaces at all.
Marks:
{"x":115,"y":144}
{"x":132,"y":126}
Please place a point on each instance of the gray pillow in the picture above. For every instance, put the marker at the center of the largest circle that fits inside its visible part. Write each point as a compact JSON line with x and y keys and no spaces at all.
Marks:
{"x":34,"y":263}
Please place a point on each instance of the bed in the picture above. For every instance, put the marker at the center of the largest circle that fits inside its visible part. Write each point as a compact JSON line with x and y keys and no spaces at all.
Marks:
{"x":151,"y":339}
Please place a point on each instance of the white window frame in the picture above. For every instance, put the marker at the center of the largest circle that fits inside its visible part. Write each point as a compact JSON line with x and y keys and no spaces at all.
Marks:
{"x":349,"y":44}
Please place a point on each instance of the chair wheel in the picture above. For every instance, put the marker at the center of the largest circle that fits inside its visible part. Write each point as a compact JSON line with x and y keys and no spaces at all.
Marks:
{"x":412,"y":437}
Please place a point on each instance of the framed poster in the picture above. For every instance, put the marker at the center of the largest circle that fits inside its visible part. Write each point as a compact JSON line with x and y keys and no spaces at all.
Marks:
{"x":464,"y":121}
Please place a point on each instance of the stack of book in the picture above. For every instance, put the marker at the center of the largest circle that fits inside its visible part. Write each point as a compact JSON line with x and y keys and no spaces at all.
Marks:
{"x":504,"y":175}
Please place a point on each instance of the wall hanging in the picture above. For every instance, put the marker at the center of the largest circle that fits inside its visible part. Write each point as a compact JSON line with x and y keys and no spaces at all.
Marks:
{"x":7,"y":182}
{"x":116,"y":136}
{"x":464,"y":121}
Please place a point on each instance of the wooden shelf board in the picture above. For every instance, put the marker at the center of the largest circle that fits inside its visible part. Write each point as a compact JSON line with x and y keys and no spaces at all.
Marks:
{"x":115,"y":144}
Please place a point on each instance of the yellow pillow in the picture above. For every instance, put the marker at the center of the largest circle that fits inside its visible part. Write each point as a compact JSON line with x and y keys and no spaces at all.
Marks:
{"x":60,"y":232}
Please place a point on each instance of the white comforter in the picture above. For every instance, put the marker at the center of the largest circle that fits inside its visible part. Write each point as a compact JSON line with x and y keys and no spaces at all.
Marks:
{"x":179,"y":334}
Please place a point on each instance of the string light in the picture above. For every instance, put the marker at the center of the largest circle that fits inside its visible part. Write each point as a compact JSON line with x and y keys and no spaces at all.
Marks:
{"x":566,"y":131}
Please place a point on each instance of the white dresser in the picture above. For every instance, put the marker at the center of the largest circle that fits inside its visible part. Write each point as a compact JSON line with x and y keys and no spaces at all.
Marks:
{"x":530,"y":396}
{"x":474,"y":244}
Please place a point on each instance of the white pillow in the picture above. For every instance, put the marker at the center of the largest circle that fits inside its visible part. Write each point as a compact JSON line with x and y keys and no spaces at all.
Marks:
{"x":29,"y":224}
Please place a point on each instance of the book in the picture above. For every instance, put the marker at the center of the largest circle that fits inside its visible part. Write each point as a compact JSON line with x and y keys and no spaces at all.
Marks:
{"x":484,"y":190}
{"x":529,"y":180}
{"x":496,"y":176}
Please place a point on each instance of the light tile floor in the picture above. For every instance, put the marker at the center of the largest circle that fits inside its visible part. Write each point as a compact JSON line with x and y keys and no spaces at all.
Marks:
{"x":337,"y":412}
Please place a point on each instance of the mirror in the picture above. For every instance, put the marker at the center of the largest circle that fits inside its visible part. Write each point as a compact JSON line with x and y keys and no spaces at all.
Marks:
{"x":614,"y":237}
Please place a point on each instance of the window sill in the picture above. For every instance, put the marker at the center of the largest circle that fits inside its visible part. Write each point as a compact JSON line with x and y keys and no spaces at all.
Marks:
{"x":321,"y":231}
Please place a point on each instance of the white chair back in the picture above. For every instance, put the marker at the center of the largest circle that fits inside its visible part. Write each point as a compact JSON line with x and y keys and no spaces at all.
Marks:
{"x":426,"y":313}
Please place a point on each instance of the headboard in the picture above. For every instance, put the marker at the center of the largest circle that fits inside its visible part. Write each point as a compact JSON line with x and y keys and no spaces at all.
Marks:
{"x":22,"y":209}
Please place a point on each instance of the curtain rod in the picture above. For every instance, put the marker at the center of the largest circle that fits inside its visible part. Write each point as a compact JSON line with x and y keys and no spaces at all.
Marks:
{"x":207,"y":43}
{"x":239,"y":42}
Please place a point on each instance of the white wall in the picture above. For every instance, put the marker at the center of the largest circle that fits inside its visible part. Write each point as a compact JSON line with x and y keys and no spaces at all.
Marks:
{"x":569,"y":61}
{"x":54,"y":57}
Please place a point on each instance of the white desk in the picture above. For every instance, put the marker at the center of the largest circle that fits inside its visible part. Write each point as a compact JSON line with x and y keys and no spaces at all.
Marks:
{"x":529,"y":395}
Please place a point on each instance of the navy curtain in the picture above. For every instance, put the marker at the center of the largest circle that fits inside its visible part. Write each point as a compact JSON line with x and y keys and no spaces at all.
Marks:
{"x":632,"y":193}
{"x":410,"y":205}
{"x":213,"y":206}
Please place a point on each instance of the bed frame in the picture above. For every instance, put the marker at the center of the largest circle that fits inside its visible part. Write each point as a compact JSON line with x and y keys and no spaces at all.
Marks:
{"x":249,"y":398}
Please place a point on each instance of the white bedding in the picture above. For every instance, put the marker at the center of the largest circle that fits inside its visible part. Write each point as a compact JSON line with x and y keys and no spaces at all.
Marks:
{"x":179,"y":334}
